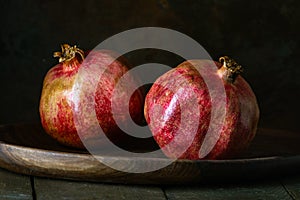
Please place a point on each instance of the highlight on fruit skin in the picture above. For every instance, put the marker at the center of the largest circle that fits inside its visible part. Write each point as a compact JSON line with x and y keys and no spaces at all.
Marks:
{"x":172,"y":92}
{"x":59,"y":104}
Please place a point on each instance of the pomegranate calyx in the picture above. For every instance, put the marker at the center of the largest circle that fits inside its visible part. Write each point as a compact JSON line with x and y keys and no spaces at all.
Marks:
{"x":68,"y":53}
{"x":230,"y":69}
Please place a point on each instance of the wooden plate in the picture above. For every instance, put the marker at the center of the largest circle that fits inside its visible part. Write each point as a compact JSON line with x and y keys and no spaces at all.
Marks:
{"x":27,"y":149}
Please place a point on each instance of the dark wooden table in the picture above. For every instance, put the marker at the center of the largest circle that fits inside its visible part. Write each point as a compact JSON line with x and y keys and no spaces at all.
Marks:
{"x":16,"y":186}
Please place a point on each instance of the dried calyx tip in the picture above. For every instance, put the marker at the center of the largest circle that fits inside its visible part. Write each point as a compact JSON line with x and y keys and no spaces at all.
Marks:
{"x":68,"y":53}
{"x":230,"y":68}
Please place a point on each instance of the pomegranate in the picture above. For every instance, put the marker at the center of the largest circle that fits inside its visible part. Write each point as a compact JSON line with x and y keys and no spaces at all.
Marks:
{"x":181,"y":108}
{"x":59,"y":104}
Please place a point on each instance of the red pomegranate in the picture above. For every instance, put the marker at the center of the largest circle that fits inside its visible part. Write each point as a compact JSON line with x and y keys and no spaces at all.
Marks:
{"x":62,"y":99}
{"x":202,"y":110}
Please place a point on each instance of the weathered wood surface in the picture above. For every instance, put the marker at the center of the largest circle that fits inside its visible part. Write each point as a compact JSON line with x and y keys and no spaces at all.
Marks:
{"x":18,"y":187}
{"x":48,"y":189}
{"x":28,"y":150}
{"x":292,"y":186}
{"x":268,"y":190}
{"x":14,"y":186}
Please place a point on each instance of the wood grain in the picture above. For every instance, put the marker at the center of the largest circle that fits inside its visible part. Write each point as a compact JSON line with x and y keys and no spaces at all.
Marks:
{"x":14,"y":186}
{"x":29,"y":150}
{"x":267,"y":190}
{"x":292,"y":186}
{"x":49,"y":189}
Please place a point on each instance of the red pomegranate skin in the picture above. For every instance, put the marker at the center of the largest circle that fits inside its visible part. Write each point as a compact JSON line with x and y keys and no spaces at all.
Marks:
{"x":241,"y":117}
{"x":58,"y":105}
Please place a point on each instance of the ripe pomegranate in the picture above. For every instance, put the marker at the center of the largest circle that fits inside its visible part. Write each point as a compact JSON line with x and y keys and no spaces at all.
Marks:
{"x":59,"y":104}
{"x":181,"y":108}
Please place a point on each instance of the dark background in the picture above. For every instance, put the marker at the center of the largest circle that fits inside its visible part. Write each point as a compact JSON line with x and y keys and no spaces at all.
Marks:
{"x":261,"y":35}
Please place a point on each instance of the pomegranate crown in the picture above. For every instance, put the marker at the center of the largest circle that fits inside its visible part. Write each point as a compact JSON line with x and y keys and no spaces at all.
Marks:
{"x":230,"y":68}
{"x":68,"y":53}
